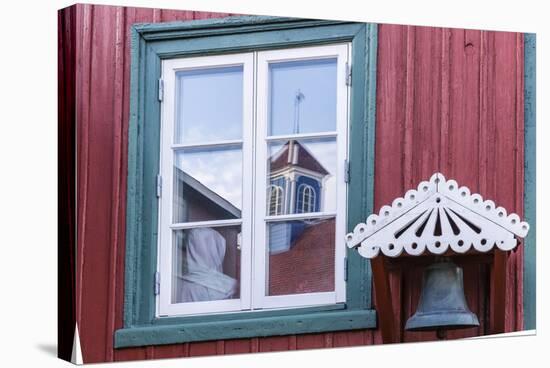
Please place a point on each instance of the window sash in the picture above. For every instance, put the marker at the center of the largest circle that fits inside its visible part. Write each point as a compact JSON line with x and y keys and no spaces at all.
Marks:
{"x":164,"y":307}
{"x":253,"y":261}
{"x":261,"y":256}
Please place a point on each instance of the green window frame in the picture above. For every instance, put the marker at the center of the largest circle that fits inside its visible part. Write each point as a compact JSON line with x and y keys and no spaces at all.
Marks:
{"x":151,"y":43}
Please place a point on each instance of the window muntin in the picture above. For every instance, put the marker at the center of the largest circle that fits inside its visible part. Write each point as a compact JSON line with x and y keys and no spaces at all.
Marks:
{"x":189,"y":146}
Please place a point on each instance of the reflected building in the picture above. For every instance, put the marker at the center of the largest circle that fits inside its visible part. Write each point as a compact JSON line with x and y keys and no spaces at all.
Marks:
{"x":295,"y":186}
{"x":296,"y":181}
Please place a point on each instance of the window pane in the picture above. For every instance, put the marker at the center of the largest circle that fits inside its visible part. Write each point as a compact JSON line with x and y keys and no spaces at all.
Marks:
{"x":207,"y":184}
{"x":206,"y":264}
{"x":209,"y":105}
{"x":301,"y":176}
{"x":302,"y":97}
{"x":301,"y":256}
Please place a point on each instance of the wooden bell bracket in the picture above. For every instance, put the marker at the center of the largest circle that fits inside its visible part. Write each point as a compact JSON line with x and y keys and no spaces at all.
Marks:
{"x":438,"y":218}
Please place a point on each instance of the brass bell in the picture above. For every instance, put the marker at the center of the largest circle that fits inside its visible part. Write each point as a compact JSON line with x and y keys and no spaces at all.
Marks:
{"x":442,"y":304}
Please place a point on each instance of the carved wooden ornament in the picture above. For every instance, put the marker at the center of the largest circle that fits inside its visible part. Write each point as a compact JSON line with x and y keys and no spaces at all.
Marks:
{"x":437,"y":215}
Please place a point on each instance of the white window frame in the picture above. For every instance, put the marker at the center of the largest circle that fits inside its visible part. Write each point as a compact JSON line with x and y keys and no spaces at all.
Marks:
{"x":168,"y":147}
{"x":254,"y":201}
{"x":341,"y":52}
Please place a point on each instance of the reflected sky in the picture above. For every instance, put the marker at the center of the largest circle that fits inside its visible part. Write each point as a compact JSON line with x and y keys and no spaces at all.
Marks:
{"x":220,"y":170}
{"x":209,"y":105}
{"x":314,"y":81}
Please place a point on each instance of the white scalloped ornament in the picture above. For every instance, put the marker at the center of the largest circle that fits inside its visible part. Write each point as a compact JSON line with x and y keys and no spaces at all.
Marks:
{"x":437,"y":216}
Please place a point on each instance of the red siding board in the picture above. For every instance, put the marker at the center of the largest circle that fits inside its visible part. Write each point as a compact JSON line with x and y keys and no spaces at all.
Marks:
{"x":447,"y":99}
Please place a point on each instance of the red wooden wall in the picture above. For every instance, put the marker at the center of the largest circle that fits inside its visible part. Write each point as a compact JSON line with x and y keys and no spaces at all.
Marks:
{"x":447,"y":100}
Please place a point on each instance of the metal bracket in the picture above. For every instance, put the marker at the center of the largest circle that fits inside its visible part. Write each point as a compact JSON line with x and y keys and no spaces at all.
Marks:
{"x":348,"y":74}
{"x":159,"y":186}
{"x":346,"y":171}
{"x":156,"y":287}
{"x":161,"y":89}
{"x":345,"y":268}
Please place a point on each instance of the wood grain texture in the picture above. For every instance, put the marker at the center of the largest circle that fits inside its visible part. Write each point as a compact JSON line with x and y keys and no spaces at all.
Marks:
{"x":448,"y":100}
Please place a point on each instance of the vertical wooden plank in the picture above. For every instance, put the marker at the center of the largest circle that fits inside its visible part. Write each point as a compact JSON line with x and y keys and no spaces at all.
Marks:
{"x":310,"y":341}
{"x":168,"y":351}
{"x":202,"y":348}
{"x":350,"y":338}
{"x":427,"y":102}
{"x":408,"y":129}
{"x":505,"y":95}
{"x":122,"y":355}
{"x":83,"y":55}
{"x":274,"y":343}
{"x":446,"y":153}
{"x":175,"y":15}
{"x":66,"y":160}
{"x":117,"y":126}
{"x":237,"y":346}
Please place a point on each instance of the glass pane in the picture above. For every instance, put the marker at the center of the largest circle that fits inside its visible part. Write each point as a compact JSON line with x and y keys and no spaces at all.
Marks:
{"x":302,"y":97}
{"x":207,"y":184}
{"x":209,"y":105}
{"x":301,"y":176}
{"x":206,"y":264}
{"x":301,"y":256}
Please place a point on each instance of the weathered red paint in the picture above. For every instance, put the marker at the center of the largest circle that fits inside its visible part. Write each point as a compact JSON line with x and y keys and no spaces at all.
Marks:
{"x":448,"y":100}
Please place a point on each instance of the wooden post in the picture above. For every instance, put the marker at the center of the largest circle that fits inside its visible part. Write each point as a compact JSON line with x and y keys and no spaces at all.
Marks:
{"x":384,"y":305}
{"x":498,"y":293}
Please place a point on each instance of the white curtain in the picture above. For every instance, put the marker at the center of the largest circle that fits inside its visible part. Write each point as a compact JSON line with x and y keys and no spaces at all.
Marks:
{"x":204,"y":279}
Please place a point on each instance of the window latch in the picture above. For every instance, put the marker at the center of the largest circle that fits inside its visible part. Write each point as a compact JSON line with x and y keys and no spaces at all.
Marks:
{"x":348,"y":74}
{"x":346,"y":171}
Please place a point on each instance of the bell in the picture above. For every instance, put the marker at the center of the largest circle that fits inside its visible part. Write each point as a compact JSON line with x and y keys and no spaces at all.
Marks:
{"x":442,"y":304}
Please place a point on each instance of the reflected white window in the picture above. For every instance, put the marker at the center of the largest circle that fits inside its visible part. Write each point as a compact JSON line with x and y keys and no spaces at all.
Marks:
{"x":275,"y":200}
{"x":306,"y":198}
{"x":252,"y":211}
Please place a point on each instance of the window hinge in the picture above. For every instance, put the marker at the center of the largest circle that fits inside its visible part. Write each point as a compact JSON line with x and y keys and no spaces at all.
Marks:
{"x":157,"y":283}
{"x":345,"y":268}
{"x":161,"y":89}
{"x":159,"y":186}
{"x":348,"y":74}
{"x":346,"y":171}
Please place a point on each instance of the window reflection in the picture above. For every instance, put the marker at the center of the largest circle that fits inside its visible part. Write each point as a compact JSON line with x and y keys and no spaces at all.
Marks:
{"x":301,"y":256}
{"x":206,"y":264}
{"x":301,"y":176}
{"x":302,"y":96}
{"x":207,"y":184}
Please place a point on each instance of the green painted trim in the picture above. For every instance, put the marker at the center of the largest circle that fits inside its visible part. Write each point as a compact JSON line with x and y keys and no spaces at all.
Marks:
{"x":220,"y":43}
{"x":530,"y":187}
{"x":150,"y":44}
{"x":235,"y":316}
{"x":362,"y":139}
{"x":254,"y":327}
{"x":227,"y":25}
